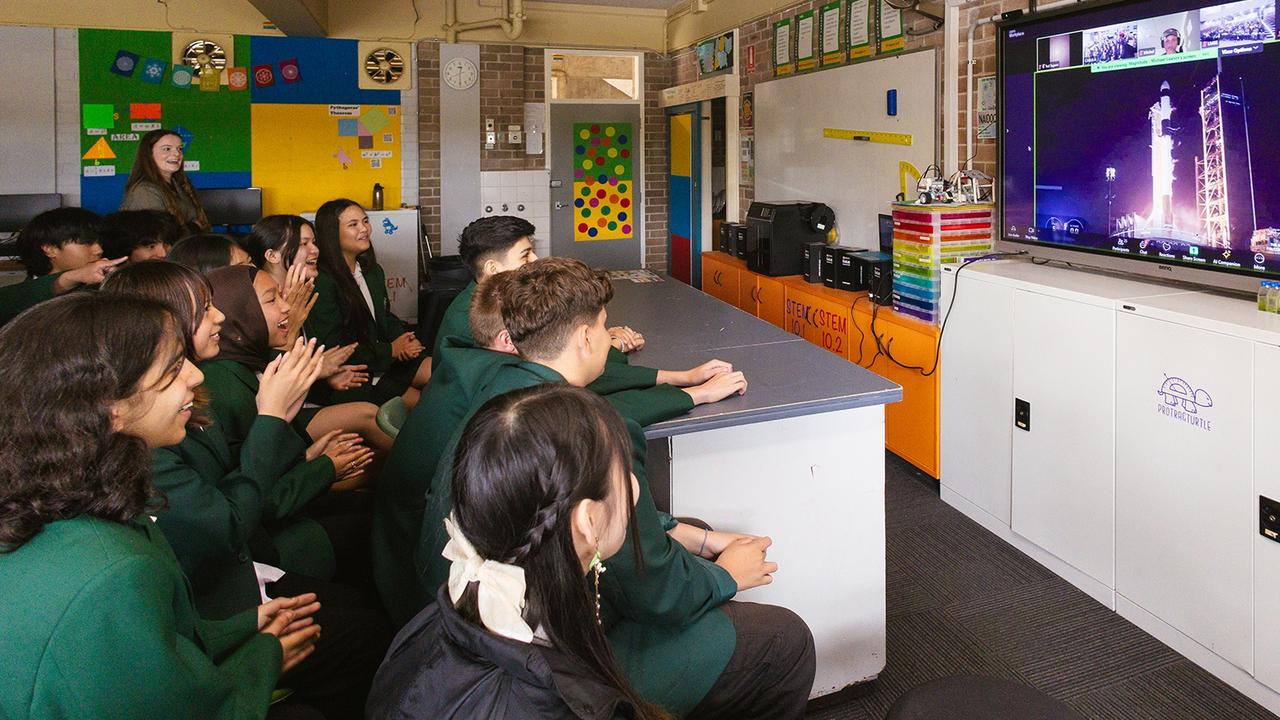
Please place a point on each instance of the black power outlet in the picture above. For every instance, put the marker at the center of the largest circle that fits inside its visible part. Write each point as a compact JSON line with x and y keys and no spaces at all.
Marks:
{"x":1022,"y":414}
{"x":1269,"y":518}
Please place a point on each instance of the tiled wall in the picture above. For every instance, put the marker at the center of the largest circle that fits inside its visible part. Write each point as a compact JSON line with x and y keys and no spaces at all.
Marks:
{"x":523,"y":193}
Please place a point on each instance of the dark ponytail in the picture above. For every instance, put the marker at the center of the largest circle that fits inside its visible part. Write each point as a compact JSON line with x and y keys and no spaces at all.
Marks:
{"x":281,"y":233}
{"x":525,"y":460}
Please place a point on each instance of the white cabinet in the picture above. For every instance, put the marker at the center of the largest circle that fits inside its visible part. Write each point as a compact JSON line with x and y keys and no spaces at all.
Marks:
{"x":1063,"y":475}
{"x":1185,"y":509}
{"x":1266,"y":482}
{"x":977,"y":409}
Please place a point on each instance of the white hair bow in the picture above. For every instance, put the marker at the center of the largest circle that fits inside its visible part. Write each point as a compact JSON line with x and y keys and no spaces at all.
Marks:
{"x":501,"y":592}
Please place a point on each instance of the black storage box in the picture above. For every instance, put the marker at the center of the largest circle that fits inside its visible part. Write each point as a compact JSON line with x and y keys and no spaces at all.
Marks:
{"x":830,"y":254}
{"x":777,"y":232}
{"x":812,"y":253}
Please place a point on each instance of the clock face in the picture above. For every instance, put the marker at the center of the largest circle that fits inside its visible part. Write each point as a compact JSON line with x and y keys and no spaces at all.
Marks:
{"x":460,"y":74}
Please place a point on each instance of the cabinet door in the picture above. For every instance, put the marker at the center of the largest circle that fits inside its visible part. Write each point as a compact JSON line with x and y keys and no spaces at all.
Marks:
{"x":719,"y":279}
{"x":910,"y":426}
{"x":821,"y":321}
{"x":770,"y":300}
{"x":1186,"y":512}
{"x":1063,"y":482}
{"x":977,"y":393}
{"x":1266,"y":482}
{"x":748,"y":287}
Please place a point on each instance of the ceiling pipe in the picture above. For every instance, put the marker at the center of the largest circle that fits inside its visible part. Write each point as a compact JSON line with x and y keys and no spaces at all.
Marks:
{"x":511,"y":22}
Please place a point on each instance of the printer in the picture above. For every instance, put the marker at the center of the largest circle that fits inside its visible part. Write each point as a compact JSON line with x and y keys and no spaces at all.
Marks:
{"x":778,"y":231}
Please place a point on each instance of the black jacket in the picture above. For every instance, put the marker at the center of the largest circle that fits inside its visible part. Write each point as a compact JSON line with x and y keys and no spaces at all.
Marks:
{"x":441,"y":666}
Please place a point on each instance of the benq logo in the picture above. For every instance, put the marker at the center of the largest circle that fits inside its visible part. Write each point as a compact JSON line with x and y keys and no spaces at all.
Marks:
{"x":1166,"y":268}
{"x":1183,"y":402}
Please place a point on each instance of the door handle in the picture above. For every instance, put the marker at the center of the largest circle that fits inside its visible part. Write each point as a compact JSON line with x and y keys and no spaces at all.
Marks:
{"x":715,"y":277}
{"x":561,"y":205}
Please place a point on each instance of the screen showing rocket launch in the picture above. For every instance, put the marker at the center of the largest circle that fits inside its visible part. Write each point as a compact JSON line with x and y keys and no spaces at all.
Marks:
{"x":1146,"y":129}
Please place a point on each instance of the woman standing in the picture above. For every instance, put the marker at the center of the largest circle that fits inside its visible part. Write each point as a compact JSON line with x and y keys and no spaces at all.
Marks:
{"x":97,"y":617}
{"x":352,"y":307}
{"x":543,"y":494}
{"x":158,"y":181}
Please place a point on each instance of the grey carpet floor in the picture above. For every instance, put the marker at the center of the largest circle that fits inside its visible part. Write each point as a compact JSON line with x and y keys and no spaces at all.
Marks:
{"x":963,"y":602}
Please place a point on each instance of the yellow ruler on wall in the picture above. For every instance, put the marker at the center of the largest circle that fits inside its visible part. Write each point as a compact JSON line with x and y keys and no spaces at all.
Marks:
{"x":887,"y":138}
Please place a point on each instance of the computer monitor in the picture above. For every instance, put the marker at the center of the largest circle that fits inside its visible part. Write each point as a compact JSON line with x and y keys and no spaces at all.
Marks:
{"x":886,"y":233}
{"x":18,"y":210}
{"x":231,"y":206}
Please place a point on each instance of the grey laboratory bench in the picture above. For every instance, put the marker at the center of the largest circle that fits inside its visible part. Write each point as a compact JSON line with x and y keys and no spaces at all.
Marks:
{"x":799,"y":457}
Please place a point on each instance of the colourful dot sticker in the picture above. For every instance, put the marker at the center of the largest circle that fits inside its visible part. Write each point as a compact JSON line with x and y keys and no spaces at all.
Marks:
{"x":595,"y":141}
{"x":584,"y":134}
{"x":586,"y":164}
{"x":586,"y":213}
{"x":590,"y":181}
{"x":604,"y":210}
{"x":591,"y":152}
{"x":599,"y":161}
{"x":613,"y":198}
{"x":622,"y":139}
{"x":626,"y":153}
{"x":592,"y":232}
{"x":600,"y":222}
{"x":586,"y":192}
{"x":600,"y":194}
{"x":610,"y":131}
{"x":595,"y":202}
{"x":606,"y":142}
{"x":622,"y":188}
{"x":602,"y":177}
{"x":625,"y":202}
{"x":582,"y":227}
{"x":595,"y":129}
{"x":613,"y":181}
{"x":613,"y":152}
{"x":618,"y":168}
{"x":579,"y":149}
{"x":613,"y":226}
{"x":578,"y":202}
{"x":622,"y":216}
{"x":626,"y":229}
{"x":577,"y":174}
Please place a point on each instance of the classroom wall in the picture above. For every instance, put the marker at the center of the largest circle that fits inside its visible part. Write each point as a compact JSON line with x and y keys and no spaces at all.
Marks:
{"x":28,"y":142}
{"x":567,"y":25}
{"x":511,"y":75}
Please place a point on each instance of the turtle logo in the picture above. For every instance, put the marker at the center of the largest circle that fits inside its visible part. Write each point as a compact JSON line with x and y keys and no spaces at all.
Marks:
{"x":1178,"y":392}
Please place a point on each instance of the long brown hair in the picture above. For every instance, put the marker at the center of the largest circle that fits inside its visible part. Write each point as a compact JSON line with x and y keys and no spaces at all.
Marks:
{"x":356,"y":317}
{"x":524,"y":461}
{"x":63,"y":364}
{"x":178,"y":186}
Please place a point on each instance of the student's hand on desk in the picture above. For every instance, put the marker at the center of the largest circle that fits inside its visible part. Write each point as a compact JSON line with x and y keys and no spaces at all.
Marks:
{"x":745,"y":560}
{"x":626,"y":339}
{"x":718,"y":388}
{"x":693,"y":376}
{"x":348,"y":376}
{"x":406,"y":347}
{"x":287,"y":379}
{"x":92,"y":274}
{"x":290,"y":619}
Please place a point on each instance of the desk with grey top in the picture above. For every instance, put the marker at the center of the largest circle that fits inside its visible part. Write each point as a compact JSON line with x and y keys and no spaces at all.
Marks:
{"x":799,"y":457}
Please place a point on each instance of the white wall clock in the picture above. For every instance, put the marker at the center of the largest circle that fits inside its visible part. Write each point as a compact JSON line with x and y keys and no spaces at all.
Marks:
{"x":460,"y":74}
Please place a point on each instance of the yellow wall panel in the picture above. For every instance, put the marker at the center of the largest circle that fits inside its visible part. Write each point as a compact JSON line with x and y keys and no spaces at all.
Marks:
{"x":298,"y":158}
{"x":681,"y":139}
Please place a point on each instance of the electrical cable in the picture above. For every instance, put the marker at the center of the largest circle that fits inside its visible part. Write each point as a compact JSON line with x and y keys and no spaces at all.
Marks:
{"x":885,"y":348}
{"x":853,"y":318}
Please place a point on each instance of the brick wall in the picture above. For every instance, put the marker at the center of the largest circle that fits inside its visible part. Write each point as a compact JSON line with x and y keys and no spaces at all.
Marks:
{"x":429,"y":140}
{"x":510,"y":76}
{"x":657,"y":77}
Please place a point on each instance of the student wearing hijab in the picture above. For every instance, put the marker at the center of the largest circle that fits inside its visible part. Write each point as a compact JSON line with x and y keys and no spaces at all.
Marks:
{"x":258,"y":321}
{"x":158,"y":181}
{"x":61,"y":251}
{"x":98,"y":618}
{"x":353,"y":307}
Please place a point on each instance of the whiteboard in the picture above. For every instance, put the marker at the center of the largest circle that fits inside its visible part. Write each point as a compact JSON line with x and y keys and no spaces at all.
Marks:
{"x":857,"y":179}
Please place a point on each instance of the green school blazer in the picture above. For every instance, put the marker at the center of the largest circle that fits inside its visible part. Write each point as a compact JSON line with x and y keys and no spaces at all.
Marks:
{"x":217,"y":501}
{"x":406,"y":476}
{"x":96,"y":621}
{"x":325,"y":321}
{"x":665,"y":628}
{"x":618,"y":374}
{"x":20,"y":296}
{"x":302,"y":543}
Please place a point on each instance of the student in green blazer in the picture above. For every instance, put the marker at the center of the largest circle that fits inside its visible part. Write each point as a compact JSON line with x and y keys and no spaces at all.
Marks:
{"x":670,"y":625}
{"x":61,"y":251}
{"x":97,"y":618}
{"x":465,"y":371}
{"x":244,"y":525}
{"x":352,"y":307}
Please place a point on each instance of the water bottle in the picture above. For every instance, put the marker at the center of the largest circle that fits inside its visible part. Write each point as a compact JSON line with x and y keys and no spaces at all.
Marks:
{"x":1263,"y":290}
{"x":377,"y":196}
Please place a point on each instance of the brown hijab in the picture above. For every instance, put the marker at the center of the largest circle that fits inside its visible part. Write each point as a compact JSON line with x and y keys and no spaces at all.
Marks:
{"x":244,"y":333}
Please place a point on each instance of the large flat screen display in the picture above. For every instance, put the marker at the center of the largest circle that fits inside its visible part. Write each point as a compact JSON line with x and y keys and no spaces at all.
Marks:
{"x":1148,"y":131}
